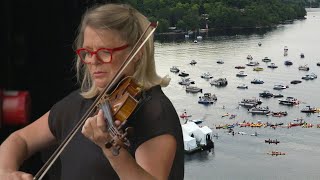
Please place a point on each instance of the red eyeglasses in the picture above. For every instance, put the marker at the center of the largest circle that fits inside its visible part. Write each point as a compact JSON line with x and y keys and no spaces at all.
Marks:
{"x":103,"y":54}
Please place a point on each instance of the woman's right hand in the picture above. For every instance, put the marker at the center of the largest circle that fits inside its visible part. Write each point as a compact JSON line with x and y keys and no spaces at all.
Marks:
{"x":15,"y":175}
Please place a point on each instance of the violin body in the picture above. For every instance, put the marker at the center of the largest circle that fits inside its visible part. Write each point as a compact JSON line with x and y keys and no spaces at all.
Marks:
{"x":119,"y":105}
{"x":124,"y":99}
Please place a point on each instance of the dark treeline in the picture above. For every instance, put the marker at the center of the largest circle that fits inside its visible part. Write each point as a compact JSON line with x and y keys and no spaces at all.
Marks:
{"x":219,"y":14}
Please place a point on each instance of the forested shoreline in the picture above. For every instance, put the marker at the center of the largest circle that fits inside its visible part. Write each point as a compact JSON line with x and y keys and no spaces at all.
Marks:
{"x":184,"y":15}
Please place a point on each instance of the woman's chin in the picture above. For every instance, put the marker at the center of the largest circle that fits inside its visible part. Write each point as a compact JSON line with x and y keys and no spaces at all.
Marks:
{"x":101,"y":84}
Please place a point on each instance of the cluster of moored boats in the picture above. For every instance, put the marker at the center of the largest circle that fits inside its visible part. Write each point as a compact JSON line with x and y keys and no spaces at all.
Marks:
{"x":253,"y":105}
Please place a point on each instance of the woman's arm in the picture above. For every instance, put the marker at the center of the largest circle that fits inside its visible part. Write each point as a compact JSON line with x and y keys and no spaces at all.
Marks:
{"x":23,"y":143}
{"x":154,"y":157}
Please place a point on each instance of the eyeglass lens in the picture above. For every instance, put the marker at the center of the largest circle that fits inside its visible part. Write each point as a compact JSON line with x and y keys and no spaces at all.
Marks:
{"x":103,"y":55}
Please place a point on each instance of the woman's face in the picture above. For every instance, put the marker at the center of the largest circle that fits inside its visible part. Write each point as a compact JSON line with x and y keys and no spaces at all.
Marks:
{"x":102,"y":73}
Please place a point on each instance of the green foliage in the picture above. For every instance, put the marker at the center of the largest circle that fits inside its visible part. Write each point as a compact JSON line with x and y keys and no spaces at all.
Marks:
{"x":194,"y":14}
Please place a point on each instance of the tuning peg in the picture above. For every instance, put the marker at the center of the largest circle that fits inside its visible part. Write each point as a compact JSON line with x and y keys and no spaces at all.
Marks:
{"x":108,"y":144}
{"x":115,"y":150}
{"x":129,"y":131}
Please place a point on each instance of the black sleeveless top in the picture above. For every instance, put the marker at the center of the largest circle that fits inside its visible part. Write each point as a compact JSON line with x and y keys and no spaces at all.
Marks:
{"x":82,"y":159}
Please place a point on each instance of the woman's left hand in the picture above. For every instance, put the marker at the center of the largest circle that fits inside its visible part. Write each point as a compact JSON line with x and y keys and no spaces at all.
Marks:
{"x":95,"y":129}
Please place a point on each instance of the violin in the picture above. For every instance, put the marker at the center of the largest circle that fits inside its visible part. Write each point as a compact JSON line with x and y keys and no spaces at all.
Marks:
{"x":118,"y":105}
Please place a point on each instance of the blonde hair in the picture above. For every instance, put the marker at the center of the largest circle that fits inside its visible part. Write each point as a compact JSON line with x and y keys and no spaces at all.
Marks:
{"x":130,"y":24}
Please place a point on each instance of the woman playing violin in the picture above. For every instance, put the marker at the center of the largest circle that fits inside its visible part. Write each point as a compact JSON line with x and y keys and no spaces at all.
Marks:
{"x":107,"y":34}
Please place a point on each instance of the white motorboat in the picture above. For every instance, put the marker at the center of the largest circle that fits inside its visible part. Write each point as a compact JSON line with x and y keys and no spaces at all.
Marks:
{"x":220,"y":62}
{"x":193,"y":62}
{"x":266,"y":94}
{"x":266,"y":59}
{"x":259,"y":110}
{"x":174,"y":69}
{"x":253,"y":63}
{"x":280,"y":87}
{"x":250,"y":102}
{"x":242,"y":86}
{"x":207,"y":98}
{"x":241,"y":74}
{"x":193,"y":89}
{"x":311,"y":76}
{"x":183,"y":74}
{"x":257,"y":81}
{"x":186,"y":81}
{"x":206,"y":75}
{"x":219,"y":82}
{"x":304,"y":68}
{"x":289,"y":101}
{"x":272,"y":65}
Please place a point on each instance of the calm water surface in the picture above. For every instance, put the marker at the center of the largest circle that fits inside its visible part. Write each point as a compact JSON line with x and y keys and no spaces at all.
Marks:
{"x":244,"y":156}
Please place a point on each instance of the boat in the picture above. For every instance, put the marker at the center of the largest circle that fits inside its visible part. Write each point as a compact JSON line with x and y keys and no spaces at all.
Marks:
{"x":289,"y":101}
{"x":183,"y":74}
{"x":195,"y":41}
{"x":301,"y":55}
{"x":280,"y":87}
{"x":318,"y":64}
{"x":273,"y":66}
{"x":311,"y":76}
{"x":266,"y":59}
{"x":270,"y":141}
{"x":253,"y":63}
{"x":295,"y":124}
{"x":298,"y":119}
{"x":249,"y":57}
{"x":254,"y":134}
{"x":193,"y":62}
{"x":259,"y":110}
{"x":266,"y":94}
{"x":206,"y":75}
{"x":257,"y":81}
{"x":207,"y":98}
{"x":219,"y":82}
{"x":185,"y":115}
{"x":295,"y":82}
{"x":279,"y":114}
{"x":309,"y":109}
{"x":186,"y":81}
{"x":196,"y":138}
{"x":288,"y":63}
{"x":241,"y":74}
{"x":197,"y":121}
{"x":277,"y":95}
{"x":285,"y":49}
{"x":242,"y":86}
{"x":242,"y":133}
{"x":174,"y":69}
{"x":220,"y":62}
{"x":240,"y":67}
{"x":193,"y":89}
{"x":304,"y":68}
{"x":250,"y":102}
{"x":258,"y":69}
{"x":276,"y":153}
{"x":259,"y":44}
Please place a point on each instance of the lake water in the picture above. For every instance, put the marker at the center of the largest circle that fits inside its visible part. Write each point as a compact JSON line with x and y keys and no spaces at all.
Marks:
{"x":243,"y":156}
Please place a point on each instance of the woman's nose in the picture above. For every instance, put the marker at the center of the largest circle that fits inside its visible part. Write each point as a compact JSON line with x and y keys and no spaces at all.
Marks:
{"x":95,"y":60}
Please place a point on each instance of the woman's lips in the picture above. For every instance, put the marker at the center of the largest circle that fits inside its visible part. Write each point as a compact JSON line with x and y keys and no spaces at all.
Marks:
{"x":99,"y":74}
